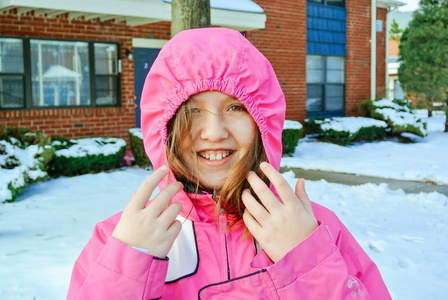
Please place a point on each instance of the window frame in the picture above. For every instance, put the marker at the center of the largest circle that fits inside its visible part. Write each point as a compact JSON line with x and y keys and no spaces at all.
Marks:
{"x":324,"y":112}
{"x":325,"y":2}
{"x":28,"y":100}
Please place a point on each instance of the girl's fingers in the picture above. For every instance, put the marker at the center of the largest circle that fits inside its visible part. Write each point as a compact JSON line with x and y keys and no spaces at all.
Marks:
{"x":251,"y":224}
{"x":282,"y":187}
{"x":168,"y":216}
{"x":159,"y":203}
{"x":255,"y":208}
{"x":144,"y":192}
{"x":174,"y":229}
{"x":263,"y":192}
{"x":302,"y":195}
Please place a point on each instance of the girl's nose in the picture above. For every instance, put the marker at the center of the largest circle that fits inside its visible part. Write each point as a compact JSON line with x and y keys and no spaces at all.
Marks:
{"x":214,"y":128}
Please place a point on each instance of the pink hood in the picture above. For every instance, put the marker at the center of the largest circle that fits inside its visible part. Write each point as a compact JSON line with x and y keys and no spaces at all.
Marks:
{"x":212,"y":59}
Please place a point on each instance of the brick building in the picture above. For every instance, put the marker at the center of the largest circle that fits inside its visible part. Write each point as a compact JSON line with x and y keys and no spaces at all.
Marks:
{"x":76,"y":68}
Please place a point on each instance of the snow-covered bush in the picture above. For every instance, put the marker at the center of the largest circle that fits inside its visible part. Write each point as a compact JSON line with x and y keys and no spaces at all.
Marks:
{"x":345,"y":130}
{"x":87,"y":155}
{"x":398,"y":114}
{"x":292,"y":132}
{"x":138,"y":150}
{"x":24,"y":158}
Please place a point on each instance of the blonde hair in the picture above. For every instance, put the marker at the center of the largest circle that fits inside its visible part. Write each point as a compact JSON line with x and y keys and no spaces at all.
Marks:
{"x":228,"y":197}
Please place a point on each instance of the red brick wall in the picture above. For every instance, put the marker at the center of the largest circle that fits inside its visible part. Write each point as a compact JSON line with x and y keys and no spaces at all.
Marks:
{"x":112,"y":121}
{"x":357,"y":81}
{"x":381,"y":55}
{"x":283,"y":42}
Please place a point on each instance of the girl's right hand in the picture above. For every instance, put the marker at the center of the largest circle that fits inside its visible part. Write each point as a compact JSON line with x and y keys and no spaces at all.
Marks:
{"x":153,"y":228}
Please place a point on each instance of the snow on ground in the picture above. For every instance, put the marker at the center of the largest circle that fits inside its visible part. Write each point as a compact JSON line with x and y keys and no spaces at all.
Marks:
{"x":423,"y":161}
{"x":42,"y":235}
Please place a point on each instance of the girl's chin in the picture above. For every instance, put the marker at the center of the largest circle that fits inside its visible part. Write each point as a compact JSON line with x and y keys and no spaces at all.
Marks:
{"x":211,"y":183}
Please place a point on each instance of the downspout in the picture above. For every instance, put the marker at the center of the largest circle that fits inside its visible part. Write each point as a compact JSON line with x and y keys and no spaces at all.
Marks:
{"x":373,"y":51}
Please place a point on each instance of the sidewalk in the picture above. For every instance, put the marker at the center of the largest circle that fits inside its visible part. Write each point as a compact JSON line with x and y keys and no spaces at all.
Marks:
{"x":351,"y":179}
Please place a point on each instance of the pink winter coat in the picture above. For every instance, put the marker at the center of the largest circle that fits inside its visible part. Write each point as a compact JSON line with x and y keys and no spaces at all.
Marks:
{"x":206,"y":261}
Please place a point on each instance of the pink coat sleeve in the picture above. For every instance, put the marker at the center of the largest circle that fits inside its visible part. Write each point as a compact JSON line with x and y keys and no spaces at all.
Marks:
{"x":329,"y":264}
{"x":110,"y":269}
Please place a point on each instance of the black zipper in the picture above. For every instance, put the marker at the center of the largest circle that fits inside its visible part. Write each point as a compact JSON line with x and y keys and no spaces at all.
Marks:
{"x":223,"y":282}
{"x":227,"y":256}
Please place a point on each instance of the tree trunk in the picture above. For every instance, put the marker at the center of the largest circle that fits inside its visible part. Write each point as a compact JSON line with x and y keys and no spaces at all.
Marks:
{"x":189,"y":14}
{"x":446,"y":116}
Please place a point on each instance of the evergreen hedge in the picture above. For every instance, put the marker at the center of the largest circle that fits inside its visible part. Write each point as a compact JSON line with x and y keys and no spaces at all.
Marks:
{"x":137,"y":148}
{"x":398,"y":114}
{"x":345,"y":130}
{"x":292,"y":132}
{"x":25,"y":157}
{"x":87,"y":155}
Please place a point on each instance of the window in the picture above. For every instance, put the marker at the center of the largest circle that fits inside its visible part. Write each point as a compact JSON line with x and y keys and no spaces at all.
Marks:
{"x":340,"y":3}
{"x":58,"y":73}
{"x":325,"y":78}
{"x":12,"y":75}
{"x":106,"y":73}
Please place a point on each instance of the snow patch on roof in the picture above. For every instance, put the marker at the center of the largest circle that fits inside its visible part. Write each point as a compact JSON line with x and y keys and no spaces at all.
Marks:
{"x":236,"y":5}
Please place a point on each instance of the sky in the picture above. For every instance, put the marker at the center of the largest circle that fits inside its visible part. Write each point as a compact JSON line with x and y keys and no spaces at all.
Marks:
{"x":411,"y":5}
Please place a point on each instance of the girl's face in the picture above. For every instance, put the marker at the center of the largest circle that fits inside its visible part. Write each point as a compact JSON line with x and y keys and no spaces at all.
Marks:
{"x":222,"y":131}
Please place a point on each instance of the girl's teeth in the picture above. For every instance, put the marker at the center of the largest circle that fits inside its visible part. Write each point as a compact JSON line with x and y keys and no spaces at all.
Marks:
{"x":218,"y":156}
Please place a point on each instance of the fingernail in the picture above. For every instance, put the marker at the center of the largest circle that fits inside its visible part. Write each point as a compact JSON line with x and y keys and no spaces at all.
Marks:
{"x":164,"y":168}
{"x":263,"y":165}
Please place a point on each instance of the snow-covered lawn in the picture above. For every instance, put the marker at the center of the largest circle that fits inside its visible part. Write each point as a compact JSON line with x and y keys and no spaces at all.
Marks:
{"x":405,"y":234}
{"x":423,"y":161}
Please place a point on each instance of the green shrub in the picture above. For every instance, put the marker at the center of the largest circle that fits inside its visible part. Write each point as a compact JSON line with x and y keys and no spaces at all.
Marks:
{"x":137,"y":148}
{"x":87,"y":155}
{"x":345,"y":130}
{"x":292,"y":132}
{"x":25,"y":157}
{"x":398,"y":114}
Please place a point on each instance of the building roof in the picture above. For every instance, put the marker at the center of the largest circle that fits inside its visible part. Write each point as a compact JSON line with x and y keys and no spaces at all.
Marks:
{"x":237,"y":14}
{"x":389,"y":3}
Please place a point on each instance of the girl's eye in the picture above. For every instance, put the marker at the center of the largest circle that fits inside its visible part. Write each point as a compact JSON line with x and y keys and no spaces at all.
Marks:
{"x":237,"y":108}
{"x":194,"y":110}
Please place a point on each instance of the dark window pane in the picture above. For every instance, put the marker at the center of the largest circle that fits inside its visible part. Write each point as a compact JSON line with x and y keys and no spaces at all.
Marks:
{"x":106,"y":59}
{"x":11,"y":92}
{"x":314,"y":98}
{"x":60,"y":73}
{"x":315,"y":1}
{"x":340,"y":3}
{"x":106,"y":90}
{"x":334,"y":97}
{"x":11,"y":55}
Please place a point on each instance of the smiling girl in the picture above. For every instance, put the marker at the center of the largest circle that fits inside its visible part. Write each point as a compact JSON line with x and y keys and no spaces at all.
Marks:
{"x":226,"y":224}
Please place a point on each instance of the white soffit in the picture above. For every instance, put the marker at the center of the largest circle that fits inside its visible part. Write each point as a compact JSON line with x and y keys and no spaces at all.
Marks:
{"x":236,"y":14}
{"x":389,"y":3}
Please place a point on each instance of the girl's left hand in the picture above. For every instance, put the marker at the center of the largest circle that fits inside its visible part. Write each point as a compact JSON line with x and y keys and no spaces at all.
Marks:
{"x":278,"y":227}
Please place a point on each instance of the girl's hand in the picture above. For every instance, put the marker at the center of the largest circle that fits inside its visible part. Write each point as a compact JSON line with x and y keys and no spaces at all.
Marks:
{"x":153,"y":228}
{"x":278,"y":227}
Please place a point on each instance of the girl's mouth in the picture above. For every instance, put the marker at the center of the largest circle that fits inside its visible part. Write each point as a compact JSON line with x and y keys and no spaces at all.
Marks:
{"x":214,"y":155}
